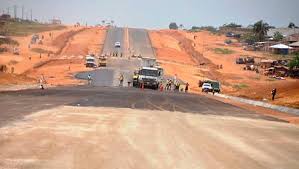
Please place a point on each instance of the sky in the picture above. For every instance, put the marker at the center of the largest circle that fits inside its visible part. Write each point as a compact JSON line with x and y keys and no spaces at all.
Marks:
{"x":157,"y":14}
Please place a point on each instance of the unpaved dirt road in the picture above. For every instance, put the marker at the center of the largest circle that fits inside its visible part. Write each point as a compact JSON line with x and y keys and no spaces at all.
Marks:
{"x":94,"y":128}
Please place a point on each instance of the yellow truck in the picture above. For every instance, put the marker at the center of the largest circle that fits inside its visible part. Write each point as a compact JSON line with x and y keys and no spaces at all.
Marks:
{"x":102,"y":61}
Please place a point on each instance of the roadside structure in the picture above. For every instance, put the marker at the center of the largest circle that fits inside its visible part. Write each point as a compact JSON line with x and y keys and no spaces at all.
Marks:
{"x":295,"y":46}
{"x":284,"y":31}
{"x":293,"y":38}
{"x":280,"y":49}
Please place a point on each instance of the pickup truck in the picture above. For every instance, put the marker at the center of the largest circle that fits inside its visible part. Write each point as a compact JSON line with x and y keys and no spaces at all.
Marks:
{"x":211,"y":86}
{"x":90,"y":61}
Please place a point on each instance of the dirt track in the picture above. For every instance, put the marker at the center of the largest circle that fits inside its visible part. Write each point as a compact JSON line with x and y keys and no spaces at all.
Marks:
{"x":94,"y":138}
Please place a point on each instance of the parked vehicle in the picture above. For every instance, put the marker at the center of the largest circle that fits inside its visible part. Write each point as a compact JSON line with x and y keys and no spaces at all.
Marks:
{"x":90,"y":61}
{"x":246,"y":60}
{"x":240,"y":61}
{"x":207,"y":87}
{"x":214,"y":86}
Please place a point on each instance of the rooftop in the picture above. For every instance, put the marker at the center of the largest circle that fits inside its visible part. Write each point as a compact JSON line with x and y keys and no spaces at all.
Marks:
{"x":284,"y":31}
{"x":296,"y":44}
{"x":280,"y":46}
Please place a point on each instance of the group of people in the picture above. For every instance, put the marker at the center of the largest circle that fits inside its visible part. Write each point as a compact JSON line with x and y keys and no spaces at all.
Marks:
{"x":174,"y":85}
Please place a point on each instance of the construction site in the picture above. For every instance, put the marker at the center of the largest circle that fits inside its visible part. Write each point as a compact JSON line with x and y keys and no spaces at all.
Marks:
{"x":76,"y":96}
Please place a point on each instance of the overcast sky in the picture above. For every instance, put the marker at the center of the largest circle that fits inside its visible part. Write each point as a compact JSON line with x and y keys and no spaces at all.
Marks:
{"x":159,"y":13}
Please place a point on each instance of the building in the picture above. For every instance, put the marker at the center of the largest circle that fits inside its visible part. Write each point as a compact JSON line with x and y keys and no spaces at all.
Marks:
{"x":286,"y":32}
{"x":56,"y":22}
{"x":280,"y":49}
{"x":295,"y":46}
{"x":5,"y":17}
{"x":293,"y":38}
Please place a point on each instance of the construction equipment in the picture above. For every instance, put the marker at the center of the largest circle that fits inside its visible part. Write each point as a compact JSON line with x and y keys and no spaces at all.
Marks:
{"x":148,"y":62}
{"x":102,"y":61}
{"x":150,"y":77}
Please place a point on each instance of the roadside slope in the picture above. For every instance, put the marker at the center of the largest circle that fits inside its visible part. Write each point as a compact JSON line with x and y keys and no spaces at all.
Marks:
{"x":194,"y":59}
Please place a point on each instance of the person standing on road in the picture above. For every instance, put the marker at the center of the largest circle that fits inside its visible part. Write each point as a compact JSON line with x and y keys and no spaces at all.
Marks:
{"x":274,"y":91}
{"x":121,"y":80}
{"x":187,"y":87}
{"x":89,"y":79}
{"x":42,"y":81}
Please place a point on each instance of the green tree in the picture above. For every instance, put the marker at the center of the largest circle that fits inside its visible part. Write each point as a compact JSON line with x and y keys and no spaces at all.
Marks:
{"x":181,"y":26}
{"x":173,"y":25}
{"x":249,"y":38}
{"x":277,"y":36}
{"x":232,"y":25}
{"x":295,"y":62}
{"x":292,"y":25}
{"x":260,"y":29}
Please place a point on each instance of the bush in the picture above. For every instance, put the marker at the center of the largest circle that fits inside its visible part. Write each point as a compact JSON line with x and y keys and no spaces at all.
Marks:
{"x":240,"y":86}
{"x":40,"y":50}
{"x":228,"y":41}
{"x":173,"y":25}
{"x":206,"y":28}
{"x":277,"y":36}
{"x":223,"y":51}
{"x":8,"y":41}
{"x":249,"y":38}
{"x":294,"y":63}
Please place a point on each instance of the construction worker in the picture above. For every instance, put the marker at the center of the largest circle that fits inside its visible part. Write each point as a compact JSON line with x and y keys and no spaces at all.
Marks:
{"x":167,"y":84}
{"x":89,"y":79}
{"x":42,"y":81}
{"x":187,"y":87}
{"x":121,"y":80}
{"x":273,"y":93}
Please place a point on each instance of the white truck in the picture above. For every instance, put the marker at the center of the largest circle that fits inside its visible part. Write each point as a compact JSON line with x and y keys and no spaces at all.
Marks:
{"x":150,"y":77}
{"x":148,"y":62}
{"x":90,"y":61}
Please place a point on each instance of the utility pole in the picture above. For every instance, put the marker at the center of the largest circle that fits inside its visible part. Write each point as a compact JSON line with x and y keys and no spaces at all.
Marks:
{"x":15,"y":11}
{"x":23,"y":12}
{"x":8,"y":11}
{"x":31,"y":14}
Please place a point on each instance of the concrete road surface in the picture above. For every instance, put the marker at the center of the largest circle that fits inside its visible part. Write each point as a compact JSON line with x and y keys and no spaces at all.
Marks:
{"x":140,"y":43}
{"x":96,"y":127}
{"x":132,"y":41}
{"x":114,"y":35}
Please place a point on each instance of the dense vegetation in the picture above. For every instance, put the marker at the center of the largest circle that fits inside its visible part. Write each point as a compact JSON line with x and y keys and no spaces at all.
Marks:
{"x":294,"y":63}
{"x":23,"y":28}
{"x":173,"y":25}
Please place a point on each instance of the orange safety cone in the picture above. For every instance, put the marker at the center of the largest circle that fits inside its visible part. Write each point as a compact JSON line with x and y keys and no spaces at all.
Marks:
{"x":161,"y":88}
{"x":142,"y":86}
